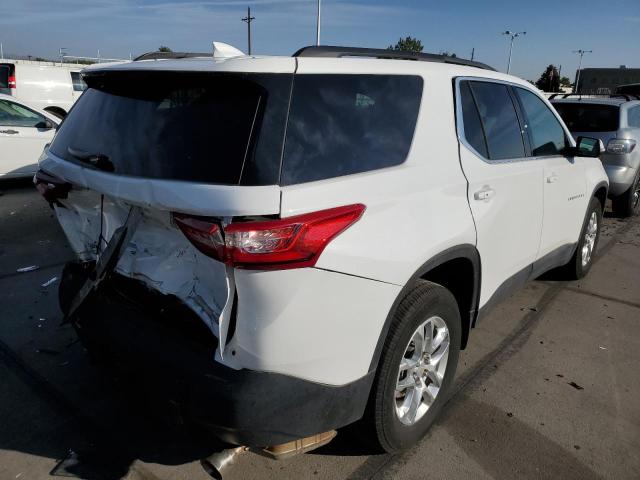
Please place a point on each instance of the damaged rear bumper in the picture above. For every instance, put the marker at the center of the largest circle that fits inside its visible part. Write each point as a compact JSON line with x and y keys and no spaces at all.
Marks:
{"x":165,"y":348}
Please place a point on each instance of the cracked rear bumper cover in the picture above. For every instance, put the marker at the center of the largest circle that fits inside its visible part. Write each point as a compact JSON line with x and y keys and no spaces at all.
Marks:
{"x":161,"y":344}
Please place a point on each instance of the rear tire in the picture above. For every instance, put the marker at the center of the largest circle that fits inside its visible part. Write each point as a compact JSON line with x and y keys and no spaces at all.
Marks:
{"x":417,"y":367}
{"x":582,"y":258}
{"x":628,"y":203}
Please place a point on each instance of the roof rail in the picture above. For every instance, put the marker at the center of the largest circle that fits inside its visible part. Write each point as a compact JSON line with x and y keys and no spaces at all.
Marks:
{"x":340,"y":52}
{"x":627,"y":96}
{"x":170,"y":55}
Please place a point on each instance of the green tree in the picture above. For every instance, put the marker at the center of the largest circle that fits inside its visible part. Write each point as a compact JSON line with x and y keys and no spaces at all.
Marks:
{"x":163,"y":48}
{"x":565,"y":82}
{"x":549,"y":81}
{"x":407,"y":44}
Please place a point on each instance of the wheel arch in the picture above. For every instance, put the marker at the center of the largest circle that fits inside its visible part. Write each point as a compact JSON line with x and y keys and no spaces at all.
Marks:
{"x":600,"y":192}
{"x":447,"y":268}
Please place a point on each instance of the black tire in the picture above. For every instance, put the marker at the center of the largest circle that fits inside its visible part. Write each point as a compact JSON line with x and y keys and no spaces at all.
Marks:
{"x":574,"y":270}
{"x":628,"y":203}
{"x":422,"y":302}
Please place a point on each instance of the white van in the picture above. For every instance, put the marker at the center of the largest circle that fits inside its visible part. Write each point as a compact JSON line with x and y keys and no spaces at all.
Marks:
{"x":50,"y":86}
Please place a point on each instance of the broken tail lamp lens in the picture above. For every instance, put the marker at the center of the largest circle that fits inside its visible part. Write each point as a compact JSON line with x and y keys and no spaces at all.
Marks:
{"x":50,"y":187}
{"x":293,"y":242}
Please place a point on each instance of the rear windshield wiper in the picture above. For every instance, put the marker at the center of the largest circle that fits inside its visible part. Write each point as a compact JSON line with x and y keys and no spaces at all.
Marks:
{"x":97,"y":160}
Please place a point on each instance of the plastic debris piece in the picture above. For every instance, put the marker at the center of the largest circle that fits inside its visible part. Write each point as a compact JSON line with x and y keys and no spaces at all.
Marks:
{"x":30,"y":268}
{"x":576,"y":386}
{"x":42,"y":319}
{"x":602,"y":348}
{"x":50,"y":281}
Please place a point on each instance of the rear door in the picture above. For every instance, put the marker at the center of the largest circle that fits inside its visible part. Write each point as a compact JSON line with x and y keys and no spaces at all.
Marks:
{"x":505,"y":186}
{"x":564,"y":181}
{"x":23,"y":135}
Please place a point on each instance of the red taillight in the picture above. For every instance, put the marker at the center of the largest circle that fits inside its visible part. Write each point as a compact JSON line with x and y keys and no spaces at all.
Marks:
{"x":12,"y":81}
{"x":292,"y":242}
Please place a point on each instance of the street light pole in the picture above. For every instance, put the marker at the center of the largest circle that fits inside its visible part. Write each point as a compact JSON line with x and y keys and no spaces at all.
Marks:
{"x":248,"y":19}
{"x":513,"y":36}
{"x":581,"y":53}
{"x":318,"y":24}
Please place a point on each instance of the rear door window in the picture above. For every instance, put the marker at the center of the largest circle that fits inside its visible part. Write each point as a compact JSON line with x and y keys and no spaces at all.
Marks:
{"x":499,"y":120}
{"x":473,"y":132}
{"x":589,"y":117}
{"x":344,"y":124}
{"x":208,"y":128}
{"x":546,"y":135}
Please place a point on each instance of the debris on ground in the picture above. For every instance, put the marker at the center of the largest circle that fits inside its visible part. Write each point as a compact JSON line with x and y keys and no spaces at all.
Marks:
{"x":30,"y":268}
{"x":602,"y":348}
{"x":531,"y":309}
{"x":576,"y":386}
{"x":49,"y":282}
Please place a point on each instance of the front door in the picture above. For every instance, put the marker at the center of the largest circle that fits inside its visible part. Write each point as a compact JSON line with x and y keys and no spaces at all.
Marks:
{"x":565,"y":196}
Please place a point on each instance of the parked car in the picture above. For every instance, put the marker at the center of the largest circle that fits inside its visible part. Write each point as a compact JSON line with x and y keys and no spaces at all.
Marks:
{"x":281,"y":244}
{"x":615,"y":121}
{"x":24,"y":131}
{"x":50,"y":86}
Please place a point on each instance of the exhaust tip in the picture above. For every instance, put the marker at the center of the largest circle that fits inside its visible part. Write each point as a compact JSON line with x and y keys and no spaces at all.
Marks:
{"x":215,"y":465}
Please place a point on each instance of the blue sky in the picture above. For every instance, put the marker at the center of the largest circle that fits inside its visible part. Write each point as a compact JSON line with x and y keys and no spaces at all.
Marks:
{"x":117,"y":27}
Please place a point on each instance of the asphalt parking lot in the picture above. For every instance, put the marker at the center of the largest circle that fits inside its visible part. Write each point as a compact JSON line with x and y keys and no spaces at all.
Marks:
{"x":548,"y":388}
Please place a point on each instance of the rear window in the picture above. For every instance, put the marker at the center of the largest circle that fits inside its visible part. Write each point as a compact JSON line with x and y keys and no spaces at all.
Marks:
{"x":209,"y":128}
{"x":344,"y":124}
{"x":4,"y":76}
{"x":589,"y":117}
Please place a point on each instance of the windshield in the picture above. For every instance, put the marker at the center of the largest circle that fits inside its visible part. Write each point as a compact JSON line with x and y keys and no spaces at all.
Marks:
{"x":209,"y":128}
{"x":589,"y":117}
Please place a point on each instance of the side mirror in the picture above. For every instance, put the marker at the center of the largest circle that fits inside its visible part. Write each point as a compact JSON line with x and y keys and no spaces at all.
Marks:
{"x":589,"y":147}
{"x":45,"y":125}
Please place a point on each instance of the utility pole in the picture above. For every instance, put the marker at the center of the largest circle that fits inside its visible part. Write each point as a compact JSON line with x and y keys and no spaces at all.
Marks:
{"x":318,"y":24}
{"x":248,"y":19}
{"x":513,"y":36}
{"x":1,"y":51}
{"x":473,"y":52}
{"x":581,"y":53}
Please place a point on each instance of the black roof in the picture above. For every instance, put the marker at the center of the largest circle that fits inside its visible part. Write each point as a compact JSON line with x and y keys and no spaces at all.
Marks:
{"x":339,"y":52}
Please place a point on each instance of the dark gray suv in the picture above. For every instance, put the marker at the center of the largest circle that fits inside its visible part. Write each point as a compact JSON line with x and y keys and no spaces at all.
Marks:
{"x":616,"y":121}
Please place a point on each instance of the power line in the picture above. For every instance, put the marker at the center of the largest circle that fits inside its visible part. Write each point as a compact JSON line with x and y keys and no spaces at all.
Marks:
{"x":248,"y":19}
{"x":581,"y":53}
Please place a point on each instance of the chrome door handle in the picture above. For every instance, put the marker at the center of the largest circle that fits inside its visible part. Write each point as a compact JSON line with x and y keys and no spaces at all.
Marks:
{"x":9,"y":132}
{"x":484,"y":194}
{"x":553,"y":178}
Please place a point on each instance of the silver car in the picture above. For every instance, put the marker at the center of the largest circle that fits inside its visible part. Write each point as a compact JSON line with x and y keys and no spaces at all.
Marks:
{"x":616,"y":121}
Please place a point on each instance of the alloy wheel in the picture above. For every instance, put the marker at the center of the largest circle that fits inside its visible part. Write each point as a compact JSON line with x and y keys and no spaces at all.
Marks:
{"x":422,"y":370}
{"x":590,"y":239}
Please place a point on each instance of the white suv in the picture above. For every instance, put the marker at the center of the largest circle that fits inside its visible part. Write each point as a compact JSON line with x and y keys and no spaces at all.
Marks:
{"x":282,"y":243}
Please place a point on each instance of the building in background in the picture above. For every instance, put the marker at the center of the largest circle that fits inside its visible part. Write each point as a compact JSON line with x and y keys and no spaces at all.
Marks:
{"x":604,"y":80}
